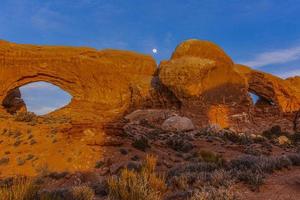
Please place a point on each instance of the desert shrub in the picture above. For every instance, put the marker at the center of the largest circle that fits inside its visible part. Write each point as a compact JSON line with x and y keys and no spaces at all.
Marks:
{"x":57,"y":175}
{"x":282,"y":162}
{"x":273,"y":132}
{"x":221,"y":178}
{"x":4,"y":160}
{"x":252,"y":169}
{"x":295,"y":138}
{"x":82,"y":193}
{"x":211,"y":157}
{"x":25,"y":117}
{"x":20,"y":189}
{"x":180,"y":144}
{"x":99,"y":164}
{"x":180,"y":182}
{"x":141,"y":144}
{"x":294,"y":158}
{"x":192,"y":168}
{"x":235,"y":137}
{"x":212,"y":193}
{"x":254,"y":178}
{"x":54,"y":195}
{"x":253,"y":151}
{"x":142,"y":185}
{"x":254,"y":163}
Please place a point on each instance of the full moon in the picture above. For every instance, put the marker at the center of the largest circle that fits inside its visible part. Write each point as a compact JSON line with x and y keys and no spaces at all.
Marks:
{"x":154,"y":50}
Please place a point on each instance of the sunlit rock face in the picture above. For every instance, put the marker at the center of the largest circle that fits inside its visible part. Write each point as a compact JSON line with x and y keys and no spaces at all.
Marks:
{"x":100,"y":82}
{"x":202,"y":76}
{"x":284,"y":93}
{"x":214,"y":90}
{"x":199,"y":81}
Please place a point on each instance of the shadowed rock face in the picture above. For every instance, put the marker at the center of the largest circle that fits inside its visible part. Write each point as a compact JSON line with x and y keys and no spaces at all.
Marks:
{"x":200,"y":81}
{"x":14,"y":102}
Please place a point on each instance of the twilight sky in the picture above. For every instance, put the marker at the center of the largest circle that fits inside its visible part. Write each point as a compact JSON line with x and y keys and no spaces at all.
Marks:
{"x":264,"y":34}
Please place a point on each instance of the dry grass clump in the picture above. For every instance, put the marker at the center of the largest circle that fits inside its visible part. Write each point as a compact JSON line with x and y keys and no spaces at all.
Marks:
{"x":19,"y":189}
{"x":211,"y":157}
{"x":82,"y":193}
{"x":50,"y":196}
{"x":141,"y":144}
{"x":212,"y":193}
{"x":25,"y":117}
{"x":142,"y":185}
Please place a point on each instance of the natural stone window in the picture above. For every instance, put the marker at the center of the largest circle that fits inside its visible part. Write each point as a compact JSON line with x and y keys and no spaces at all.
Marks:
{"x":38,"y":97}
{"x":259,"y":100}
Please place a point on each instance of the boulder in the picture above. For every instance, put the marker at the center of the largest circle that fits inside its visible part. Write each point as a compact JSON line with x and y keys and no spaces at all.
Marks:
{"x":199,"y":69}
{"x":151,"y":116}
{"x":177,"y":123}
{"x":14,"y":102}
{"x":283,"y":140}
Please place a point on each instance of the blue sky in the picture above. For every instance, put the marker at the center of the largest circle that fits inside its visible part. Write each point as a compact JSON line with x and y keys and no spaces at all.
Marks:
{"x":262,"y":33}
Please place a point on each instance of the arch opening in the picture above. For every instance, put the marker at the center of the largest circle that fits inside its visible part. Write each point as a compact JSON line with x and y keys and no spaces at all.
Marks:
{"x":38,"y":97}
{"x":258,"y":100}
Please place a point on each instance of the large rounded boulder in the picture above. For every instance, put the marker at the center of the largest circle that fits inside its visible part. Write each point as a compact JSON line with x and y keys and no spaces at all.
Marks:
{"x":201,"y":69}
{"x":177,"y":123}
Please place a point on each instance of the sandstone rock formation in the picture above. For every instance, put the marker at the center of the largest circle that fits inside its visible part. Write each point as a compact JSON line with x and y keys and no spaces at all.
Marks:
{"x":200,"y":81}
{"x":214,"y":90}
{"x":177,"y":123}
{"x":100,"y":82}
{"x":283,"y":93}
{"x":202,"y":76}
{"x":14,"y":102}
{"x":151,"y":116}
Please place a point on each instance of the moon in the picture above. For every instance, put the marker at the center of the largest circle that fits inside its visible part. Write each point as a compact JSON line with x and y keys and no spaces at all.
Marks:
{"x":154,"y":50}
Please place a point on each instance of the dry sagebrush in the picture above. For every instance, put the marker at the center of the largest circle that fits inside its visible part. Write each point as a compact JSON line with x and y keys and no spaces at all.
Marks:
{"x":142,"y":185}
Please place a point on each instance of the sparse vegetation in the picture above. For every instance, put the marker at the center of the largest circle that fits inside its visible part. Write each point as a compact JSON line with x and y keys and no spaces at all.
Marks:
{"x":25,"y":117}
{"x":19,"y":189}
{"x":212,"y":193}
{"x":273,"y":132}
{"x":141,"y":144}
{"x":211,"y":157}
{"x":99,"y":164}
{"x":142,"y":185}
{"x":180,"y":144}
{"x":82,"y":193}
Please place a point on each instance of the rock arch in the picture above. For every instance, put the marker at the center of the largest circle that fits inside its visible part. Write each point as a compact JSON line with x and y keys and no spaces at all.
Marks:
{"x":274,"y":89}
{"x":98,"y":80}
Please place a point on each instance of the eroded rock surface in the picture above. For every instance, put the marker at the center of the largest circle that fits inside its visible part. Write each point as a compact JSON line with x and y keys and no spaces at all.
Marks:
{"x":200,"y":81}
{"x":14,"y":102}
{"x":282,"y":93}
{"x":100,"y":82}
